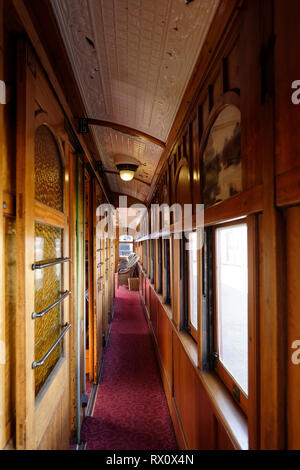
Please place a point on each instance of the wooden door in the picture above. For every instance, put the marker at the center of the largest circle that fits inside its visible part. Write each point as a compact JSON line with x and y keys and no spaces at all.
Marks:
{"x":43,"y":263}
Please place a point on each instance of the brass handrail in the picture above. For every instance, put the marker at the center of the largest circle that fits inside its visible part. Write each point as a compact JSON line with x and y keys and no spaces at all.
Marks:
{"x":36,"y":364}
{"x":47,"y":309}
{"x":49,"y":263}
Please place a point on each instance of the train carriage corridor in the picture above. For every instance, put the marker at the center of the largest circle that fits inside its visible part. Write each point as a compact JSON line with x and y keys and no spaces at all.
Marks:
{"x":149,"y":226}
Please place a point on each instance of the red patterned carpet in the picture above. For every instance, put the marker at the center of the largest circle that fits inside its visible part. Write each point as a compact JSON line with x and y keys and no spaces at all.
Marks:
{"x":131,"y":411}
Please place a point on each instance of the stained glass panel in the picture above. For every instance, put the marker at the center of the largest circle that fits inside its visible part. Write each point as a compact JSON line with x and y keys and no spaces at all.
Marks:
{"x":10,"y":320}
{"x":48,"y":288}
{"x":48,"y":170}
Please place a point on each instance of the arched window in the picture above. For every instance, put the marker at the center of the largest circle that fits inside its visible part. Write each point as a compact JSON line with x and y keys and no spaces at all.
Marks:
{"x":222,"y":159}
{"x":48,"y":170}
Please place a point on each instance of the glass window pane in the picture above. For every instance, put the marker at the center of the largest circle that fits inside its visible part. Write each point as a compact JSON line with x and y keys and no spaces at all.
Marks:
{"x":193,"y":277}
{"x":48,"y":288}
{"x":232,"y":301}
{"x":125,"y":249}
{"x":48,"y":170}
{"x":10,"y":319}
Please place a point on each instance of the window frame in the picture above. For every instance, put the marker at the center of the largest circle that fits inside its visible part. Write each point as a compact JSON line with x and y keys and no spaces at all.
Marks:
{"x":219,"y":368}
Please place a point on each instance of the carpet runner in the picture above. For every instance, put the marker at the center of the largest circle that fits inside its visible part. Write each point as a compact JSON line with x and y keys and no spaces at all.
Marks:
{"x":131,"y":411}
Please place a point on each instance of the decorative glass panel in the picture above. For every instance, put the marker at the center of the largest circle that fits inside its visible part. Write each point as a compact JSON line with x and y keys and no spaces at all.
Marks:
{"x":222,"y":167}
{"x":48,"y":288}
{"x":48,"y":170}
{"x":10,"y":316}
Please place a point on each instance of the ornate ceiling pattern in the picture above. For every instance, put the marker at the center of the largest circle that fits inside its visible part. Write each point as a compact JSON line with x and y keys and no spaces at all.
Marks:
{"x":132,"y":60}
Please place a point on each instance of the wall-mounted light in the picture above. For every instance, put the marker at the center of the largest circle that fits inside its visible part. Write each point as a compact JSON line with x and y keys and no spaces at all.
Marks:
{"x":127,"y":171}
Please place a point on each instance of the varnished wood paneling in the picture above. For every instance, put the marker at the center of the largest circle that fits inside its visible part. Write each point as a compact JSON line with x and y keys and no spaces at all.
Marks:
{"x":250,"y":74}
{"x":223,"y":440}
{"x":164,"y":340}
{"x":153,"y":310}
{"x":233,"y":68}
{"x":288,"y":188}
{"x":192,"y":402}
{"x":287,"y":70}
{"x":56,"y":435}
{"x":272,"y":328}
{"x":293,"y":325}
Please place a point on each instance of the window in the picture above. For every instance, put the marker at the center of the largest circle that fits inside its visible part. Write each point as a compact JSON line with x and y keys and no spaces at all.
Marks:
{"x":231,"y":308}
{"x":152,"y":260}
{"x":193,"y":285}
{"x":167,"y":293}
{"x":160,"y":266}
{"x":148,"y":259}
{"x":125,"y":245}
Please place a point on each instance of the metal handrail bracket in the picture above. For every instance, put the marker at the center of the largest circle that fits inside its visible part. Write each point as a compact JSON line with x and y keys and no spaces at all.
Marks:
{"x":36,"y":364}
{"x":49,"y":263}
{"x":47,"y":309}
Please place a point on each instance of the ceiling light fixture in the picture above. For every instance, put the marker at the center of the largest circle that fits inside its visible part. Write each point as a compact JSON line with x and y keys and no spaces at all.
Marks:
{"x":127,"y":171}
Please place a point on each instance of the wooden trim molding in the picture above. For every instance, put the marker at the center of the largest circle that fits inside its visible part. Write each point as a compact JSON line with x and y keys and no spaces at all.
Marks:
{"x":126,"y":130}
{"x":288,"y":188}
{"x":241,"y":205}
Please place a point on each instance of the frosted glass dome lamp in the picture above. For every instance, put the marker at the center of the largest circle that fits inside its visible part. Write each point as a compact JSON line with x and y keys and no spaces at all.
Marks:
{"x":127,"y":171}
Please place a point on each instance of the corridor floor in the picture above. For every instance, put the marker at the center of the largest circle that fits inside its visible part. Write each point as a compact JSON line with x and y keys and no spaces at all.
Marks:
{"x":131,"y":411}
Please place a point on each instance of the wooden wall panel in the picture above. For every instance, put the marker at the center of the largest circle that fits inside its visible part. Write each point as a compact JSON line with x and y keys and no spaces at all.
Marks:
{"x":153,"y":309}
{"x":293,"y":326}
{"x":233,"y":68}
{"x":250,"y":74}
{"x":192,"y":402}
{"x":164,"y":340}
{"x":223,"y":440}
{"x":57,"y":434}
{"x":287,"y":70}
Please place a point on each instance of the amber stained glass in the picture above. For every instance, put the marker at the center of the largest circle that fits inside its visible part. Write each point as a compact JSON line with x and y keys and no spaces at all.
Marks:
{"x":48,"y":170}
{"x":48,"y":288}
{"x":10,"y":316}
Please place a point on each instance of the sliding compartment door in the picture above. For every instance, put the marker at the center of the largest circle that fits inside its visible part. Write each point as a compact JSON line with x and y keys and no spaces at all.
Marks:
{"x":43,"y":263}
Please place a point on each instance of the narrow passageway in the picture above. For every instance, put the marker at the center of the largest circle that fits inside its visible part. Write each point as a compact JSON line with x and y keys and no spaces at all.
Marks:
{"x":131,"y":411}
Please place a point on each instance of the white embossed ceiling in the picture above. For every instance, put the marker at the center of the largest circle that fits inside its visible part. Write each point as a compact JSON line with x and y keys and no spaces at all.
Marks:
{"x":132,"y":60}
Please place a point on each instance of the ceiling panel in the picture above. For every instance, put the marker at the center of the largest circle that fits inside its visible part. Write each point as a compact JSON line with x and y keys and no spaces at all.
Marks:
{"x":132,"y":188}
{"x":132,"y":60}
{"x":114,"y":142}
